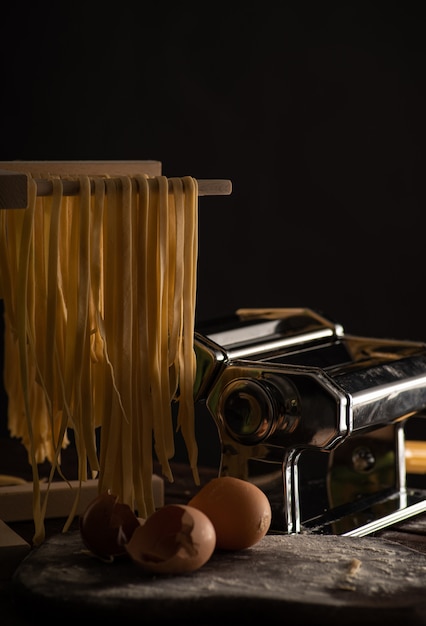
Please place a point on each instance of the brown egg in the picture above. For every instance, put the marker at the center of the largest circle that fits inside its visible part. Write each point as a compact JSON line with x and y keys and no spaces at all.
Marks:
{"x":239,"y":510}
{"x":175,"y":539}
{"x":106,"y":525}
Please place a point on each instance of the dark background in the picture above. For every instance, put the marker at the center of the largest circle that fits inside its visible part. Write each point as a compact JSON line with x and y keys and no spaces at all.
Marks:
{"x":315,"y":111}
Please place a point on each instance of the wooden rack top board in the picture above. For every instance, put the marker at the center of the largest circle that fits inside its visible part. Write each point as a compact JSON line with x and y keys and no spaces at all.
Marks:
{"x":14,"y":177}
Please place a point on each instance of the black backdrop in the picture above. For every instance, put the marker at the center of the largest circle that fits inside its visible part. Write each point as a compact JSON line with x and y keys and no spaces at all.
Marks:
{"x":315,"y":111}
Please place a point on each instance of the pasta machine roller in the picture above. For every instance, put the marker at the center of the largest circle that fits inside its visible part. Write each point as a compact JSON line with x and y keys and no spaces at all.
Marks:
{"x":315,"y":417}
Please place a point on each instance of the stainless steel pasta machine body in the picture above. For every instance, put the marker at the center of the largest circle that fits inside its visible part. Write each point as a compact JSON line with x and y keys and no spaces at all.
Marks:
{"x":314,"y":416}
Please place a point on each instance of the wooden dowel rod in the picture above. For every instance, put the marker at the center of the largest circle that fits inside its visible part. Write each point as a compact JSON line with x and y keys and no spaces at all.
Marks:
{"x":14,"y":188}
{"x":215,"y":187}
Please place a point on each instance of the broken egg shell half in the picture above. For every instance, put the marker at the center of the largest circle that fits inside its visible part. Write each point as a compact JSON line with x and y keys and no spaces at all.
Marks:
{"x":175,"y":539}
{"x":106,"y":525}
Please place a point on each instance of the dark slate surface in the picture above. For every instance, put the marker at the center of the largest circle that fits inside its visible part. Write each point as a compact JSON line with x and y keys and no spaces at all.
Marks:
{"x":318,"y":579}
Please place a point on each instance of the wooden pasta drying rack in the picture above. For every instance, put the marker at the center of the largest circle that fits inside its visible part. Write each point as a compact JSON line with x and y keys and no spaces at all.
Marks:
{"x":16,"y":499}
{"x":14,"y":177}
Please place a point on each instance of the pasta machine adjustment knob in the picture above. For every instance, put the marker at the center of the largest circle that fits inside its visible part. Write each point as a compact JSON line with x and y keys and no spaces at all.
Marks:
{"x":251,"y":409}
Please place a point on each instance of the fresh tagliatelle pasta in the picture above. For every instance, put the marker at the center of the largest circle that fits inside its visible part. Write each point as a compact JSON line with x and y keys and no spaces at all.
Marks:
{"x":99,"y":294}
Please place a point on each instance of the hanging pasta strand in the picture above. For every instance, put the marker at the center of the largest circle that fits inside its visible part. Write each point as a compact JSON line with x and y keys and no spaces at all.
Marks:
{"x":110,"y":347}
{"x":164,"y":235}
{"x":123,"y":338}
{"x":143,"y":497}
{"x":49,"y":214}
{"x":187,"y":368}
{"x":52,"y":317}
{"x":22,"y":319}
{"x":87,"y":403}
{"x":111,"y":422}
{"x":144,"y":426}
{"x":176,"y":243}
{"x":97,"y":360}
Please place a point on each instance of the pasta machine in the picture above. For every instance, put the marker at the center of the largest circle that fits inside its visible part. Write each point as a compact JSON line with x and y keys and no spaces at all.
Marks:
{"x":314,"y":416}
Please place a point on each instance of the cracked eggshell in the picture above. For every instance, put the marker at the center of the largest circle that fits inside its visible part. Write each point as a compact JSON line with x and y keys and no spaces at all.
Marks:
{"x":175,"y":539}
{"x":106,"y":525}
